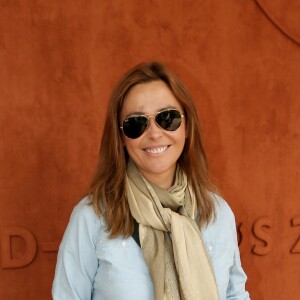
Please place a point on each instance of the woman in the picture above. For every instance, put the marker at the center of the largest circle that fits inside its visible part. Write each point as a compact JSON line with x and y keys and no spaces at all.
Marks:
{"x":152,"y":226}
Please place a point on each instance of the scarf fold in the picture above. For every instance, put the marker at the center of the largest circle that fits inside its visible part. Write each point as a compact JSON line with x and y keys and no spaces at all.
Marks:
{"x":170,"y":239}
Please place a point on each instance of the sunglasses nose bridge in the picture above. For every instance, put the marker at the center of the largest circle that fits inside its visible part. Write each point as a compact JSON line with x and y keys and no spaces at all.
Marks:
{"x":150,"y":116}
{"x":152,"y":124}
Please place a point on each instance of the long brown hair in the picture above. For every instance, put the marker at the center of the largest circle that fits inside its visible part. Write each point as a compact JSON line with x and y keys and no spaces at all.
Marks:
{"x":108,"y":185}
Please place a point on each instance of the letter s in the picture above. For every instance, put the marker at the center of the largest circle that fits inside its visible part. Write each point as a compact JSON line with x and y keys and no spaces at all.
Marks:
{"x":296,"y":246}
{"x":261,"y":234}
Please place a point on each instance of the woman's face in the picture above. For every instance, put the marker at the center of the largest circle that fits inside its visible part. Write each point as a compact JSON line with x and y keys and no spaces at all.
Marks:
{"x":156,"y":151}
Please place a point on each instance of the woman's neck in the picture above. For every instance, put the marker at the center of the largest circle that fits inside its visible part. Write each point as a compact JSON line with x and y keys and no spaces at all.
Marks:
{"x":164,"y":181}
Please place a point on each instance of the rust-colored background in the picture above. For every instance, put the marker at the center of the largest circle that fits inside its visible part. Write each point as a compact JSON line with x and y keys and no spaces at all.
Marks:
{"x":58,"y":63}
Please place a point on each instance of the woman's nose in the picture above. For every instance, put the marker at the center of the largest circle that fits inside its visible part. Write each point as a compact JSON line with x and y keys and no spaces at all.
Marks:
{"x":154,"y":131}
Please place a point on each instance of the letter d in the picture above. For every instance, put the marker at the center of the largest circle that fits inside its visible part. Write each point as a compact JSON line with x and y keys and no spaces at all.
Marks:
{"x":7,"y":261}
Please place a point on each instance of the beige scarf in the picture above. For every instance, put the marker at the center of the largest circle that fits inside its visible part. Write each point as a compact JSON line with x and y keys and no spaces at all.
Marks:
{"x":179,"y":266}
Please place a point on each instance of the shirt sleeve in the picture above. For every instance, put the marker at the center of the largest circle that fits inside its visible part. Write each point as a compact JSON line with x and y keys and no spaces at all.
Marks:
{"x":237,"y":277}
{"x":77,"y":262}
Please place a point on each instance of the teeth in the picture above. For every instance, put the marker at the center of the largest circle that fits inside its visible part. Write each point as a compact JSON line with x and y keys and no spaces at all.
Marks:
{"x":156,"y":150}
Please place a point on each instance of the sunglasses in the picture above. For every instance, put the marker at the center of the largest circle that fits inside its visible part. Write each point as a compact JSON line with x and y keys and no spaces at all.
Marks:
{"x":134,"y":126}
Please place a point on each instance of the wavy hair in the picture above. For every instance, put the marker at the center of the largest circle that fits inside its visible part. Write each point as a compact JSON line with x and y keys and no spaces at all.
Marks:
{"x":108,"y":185}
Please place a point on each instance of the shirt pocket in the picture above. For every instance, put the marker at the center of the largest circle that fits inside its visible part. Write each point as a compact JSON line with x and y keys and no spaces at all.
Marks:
{"x":222,"y":256}
{"x":121,"y":261}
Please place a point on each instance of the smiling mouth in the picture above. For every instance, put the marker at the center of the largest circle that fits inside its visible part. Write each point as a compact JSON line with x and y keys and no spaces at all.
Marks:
{"x":156,"y":150}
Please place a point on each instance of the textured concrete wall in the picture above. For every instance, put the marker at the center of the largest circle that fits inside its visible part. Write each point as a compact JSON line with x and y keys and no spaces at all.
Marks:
{"x":58,"y":63}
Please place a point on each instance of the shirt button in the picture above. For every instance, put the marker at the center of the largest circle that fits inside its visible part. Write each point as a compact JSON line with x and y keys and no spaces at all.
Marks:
{"x":124,"y":244}
{"x":210,"y":248}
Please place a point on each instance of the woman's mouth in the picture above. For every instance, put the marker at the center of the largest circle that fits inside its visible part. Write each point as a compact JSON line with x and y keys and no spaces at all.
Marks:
{"x":156,"y":150}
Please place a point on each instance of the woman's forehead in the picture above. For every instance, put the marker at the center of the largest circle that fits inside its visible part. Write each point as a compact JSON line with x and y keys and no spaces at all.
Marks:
{"x":149,"y":98}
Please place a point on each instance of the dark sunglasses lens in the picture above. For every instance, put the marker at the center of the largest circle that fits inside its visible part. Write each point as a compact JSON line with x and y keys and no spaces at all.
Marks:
{"x":169,"y":120}
{"x":134,"y":127}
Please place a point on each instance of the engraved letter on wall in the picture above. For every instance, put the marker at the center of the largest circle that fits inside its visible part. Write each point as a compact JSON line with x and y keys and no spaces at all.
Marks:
{"x":28,"y":252}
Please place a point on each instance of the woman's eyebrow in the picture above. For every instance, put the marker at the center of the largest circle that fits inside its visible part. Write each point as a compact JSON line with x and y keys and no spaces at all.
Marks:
{"x":167,"y":107}
{"x":134,"y":113}
{"x":143,"y":113}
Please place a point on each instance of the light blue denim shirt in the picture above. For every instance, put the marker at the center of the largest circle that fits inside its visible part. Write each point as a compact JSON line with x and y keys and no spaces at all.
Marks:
{"x":91,"y":266}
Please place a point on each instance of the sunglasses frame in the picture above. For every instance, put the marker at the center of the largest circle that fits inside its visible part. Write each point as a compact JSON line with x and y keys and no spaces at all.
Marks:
{"x":152,"y":116}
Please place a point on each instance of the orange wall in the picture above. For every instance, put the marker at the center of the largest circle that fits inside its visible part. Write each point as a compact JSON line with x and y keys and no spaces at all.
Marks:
{"x":58,"y":63}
